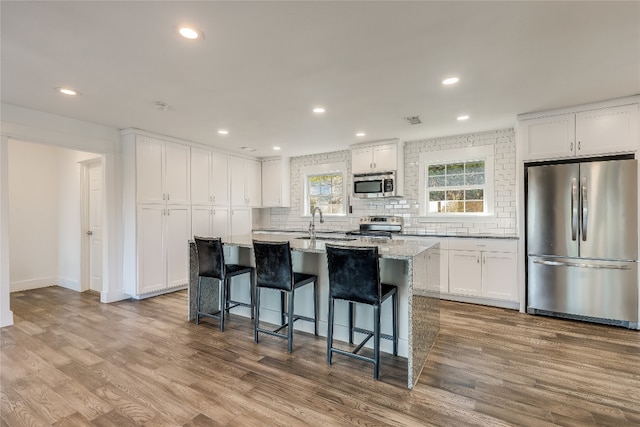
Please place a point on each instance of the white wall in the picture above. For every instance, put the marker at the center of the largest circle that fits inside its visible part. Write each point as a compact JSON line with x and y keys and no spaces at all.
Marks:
{"x":33,"y":215}
{"x":50,"y":129}
{"x":45,"y":214}
{"x":6,"y":315}
{"x":503,"y":223}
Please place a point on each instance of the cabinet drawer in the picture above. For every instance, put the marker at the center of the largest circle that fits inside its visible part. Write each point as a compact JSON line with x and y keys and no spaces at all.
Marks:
{"x":485,"y":245}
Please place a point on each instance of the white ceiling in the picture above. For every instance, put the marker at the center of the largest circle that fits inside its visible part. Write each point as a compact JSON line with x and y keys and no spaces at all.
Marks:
{"x":263,"y":66}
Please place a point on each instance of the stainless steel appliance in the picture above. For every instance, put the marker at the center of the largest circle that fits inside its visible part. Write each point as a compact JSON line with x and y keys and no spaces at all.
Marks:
{"x":378,"y":226}
{"x":367,"y":185}
{"x":582,"y":241}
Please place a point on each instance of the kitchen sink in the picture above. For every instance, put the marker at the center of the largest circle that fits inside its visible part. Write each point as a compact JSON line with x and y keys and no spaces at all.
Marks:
{"x":338,"y":239}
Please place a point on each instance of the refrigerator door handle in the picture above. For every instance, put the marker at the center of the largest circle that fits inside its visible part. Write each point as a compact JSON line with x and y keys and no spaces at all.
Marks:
{"x":574,"y":209}
{"x":581,"y":265}
{"x":585,"y":209}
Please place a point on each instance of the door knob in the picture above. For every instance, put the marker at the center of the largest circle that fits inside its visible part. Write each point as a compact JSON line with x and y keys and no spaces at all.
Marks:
{"x":89,"y":233}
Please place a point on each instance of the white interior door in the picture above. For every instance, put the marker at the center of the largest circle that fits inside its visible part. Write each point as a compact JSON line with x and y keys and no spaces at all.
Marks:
{"x":95,"y":227}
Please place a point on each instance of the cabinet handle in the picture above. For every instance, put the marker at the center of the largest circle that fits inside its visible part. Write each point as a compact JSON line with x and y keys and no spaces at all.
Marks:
{"x":167,"y":197}
{"x":478,"y":259}
{"x":484,"y":260}
{"x":579,"y":145}
{"x":164,"y":197}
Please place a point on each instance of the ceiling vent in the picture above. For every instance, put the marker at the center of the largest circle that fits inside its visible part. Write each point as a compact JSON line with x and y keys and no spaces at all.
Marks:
{"x":413,"y":120}
{"x":160,"y":106}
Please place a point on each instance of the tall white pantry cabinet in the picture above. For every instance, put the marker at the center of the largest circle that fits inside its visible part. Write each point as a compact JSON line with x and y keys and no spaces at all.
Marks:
{"x":156,"y":192}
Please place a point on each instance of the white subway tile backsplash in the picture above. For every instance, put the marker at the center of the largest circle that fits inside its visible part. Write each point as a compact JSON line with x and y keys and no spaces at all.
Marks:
{"x":504,"y":221}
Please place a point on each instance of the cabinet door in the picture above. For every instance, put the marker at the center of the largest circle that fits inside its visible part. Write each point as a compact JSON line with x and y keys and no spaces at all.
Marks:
{"x":177,"y":232}
{"x":254,"y":183}
{"x":607,"y":130}
{"x":150,"y":252}
{"x":440,"y":258}
{"x":385,"y":157}
{"x":548,"y":137}
{"x":220,"y":222}
{"x":361,"y":160}
{"x":271,"y":183}
{"x":240,"y":221}
{"x":237,"y":176}
{"x":499,"y":276}
{"x":201,"y":221}
{"x":200,"y":176}
{"x":220,"y":179}
{"x":465,"y":273}
{"x":176,"y":173}
{"x":149,"y":171}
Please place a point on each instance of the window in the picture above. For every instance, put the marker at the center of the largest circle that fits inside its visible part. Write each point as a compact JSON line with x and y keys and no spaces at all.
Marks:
{"x":325,"y":191}
{"x":457,"y":182}
{"x":324,"y":187}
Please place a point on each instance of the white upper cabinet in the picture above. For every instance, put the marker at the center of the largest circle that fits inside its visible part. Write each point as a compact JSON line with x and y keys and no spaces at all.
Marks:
{"x":162,"y":171}
{"x":246,"y":188}
{"x":276,"y":183}
{"x":209,"y":177}
{"x":591,"y":132}
{"x":607,"y":130}
{"x":375,"y":158}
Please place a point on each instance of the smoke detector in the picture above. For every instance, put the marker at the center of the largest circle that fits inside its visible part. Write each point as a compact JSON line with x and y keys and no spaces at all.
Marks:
{"x":160,"y":106}
{"x":413,"y":120}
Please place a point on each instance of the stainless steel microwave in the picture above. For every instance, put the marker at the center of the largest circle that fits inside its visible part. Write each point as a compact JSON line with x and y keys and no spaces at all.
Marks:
{"x":381,"y":184}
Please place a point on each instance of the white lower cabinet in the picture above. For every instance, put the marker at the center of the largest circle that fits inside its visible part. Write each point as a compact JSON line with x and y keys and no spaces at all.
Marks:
{"x":465,"y":273}
{"x":240,"y":221}
{"x":207,"y":221}
{"x":500,"y":275}
{"x":162,"y":241}
{"x":483,"y":268}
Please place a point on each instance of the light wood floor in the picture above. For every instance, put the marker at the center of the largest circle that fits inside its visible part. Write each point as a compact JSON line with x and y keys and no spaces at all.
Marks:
{"x":71,"y":361}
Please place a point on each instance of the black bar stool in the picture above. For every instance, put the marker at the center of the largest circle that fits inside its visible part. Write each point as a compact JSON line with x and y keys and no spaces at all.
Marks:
{"x":354,"y":276}
{"x":211,"y":264}
{"x":274,"y":270}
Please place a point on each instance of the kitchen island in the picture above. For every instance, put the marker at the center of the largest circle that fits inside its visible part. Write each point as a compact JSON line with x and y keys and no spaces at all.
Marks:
{"x":406,"y":264}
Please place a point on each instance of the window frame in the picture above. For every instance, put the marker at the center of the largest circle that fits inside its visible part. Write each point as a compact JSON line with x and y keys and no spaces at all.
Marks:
{"x":338,"y":168}
{"x":464,"y":155}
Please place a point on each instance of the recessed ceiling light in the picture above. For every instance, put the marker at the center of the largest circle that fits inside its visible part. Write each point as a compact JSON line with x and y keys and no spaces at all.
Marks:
{"x":67,"y":91}
{"x":223,"y":132}
{"x":276,"y":148}
{"x":318,"y":110}
{"x":450,"y":81}
{"x":462,"y":118}
{"x":361,"y":134}
{"x":190,"y":33}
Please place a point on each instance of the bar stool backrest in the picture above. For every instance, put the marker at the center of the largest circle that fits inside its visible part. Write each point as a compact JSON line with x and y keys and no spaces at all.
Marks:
{"x":354,"y":273}
{"x":210,"y":257}
{"x":273,"y":265}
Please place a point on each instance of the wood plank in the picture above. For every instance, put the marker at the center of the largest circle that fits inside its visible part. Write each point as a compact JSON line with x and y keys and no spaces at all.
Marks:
{"x":142,"y":363}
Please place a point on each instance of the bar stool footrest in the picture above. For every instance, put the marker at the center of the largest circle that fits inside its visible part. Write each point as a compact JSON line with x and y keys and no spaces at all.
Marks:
{"x":353,"y":355}
{"x":368,"y":332}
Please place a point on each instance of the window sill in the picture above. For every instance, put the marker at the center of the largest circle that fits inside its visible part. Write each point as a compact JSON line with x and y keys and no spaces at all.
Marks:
{"x":457,"y":218}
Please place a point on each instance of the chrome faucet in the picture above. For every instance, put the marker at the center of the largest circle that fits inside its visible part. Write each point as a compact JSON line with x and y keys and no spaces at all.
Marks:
{"x":312,"y":224}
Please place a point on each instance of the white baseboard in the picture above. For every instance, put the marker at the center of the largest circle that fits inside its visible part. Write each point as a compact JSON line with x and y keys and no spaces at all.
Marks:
{"x":70,"y":284}
{"x":25,"y":285}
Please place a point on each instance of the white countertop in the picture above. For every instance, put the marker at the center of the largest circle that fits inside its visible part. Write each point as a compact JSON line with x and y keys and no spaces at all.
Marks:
{"x":387,"y":248}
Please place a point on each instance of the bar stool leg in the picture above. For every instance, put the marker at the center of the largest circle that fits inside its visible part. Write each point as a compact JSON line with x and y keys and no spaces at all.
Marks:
{"x":256,"y":321}
{"x":376,"y":341}
{"x":315,"y":308}
{"x":291,"y":318}
{"x":394,"y":300}
{"x":198,"y":301}
{"x":223,"y":287}
{"x":351,"y":314}
{"x":283,"y":319}
{"x":252,"y":289}
{"x":330,"y":331}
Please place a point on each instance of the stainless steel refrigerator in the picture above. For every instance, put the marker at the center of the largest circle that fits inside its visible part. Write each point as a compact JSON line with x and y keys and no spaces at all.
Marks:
{"x":582,"y":241}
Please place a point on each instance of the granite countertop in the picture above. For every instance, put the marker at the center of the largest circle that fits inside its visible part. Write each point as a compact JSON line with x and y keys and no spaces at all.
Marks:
{"x":388,"y":248}
{"x":426,"y":234}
